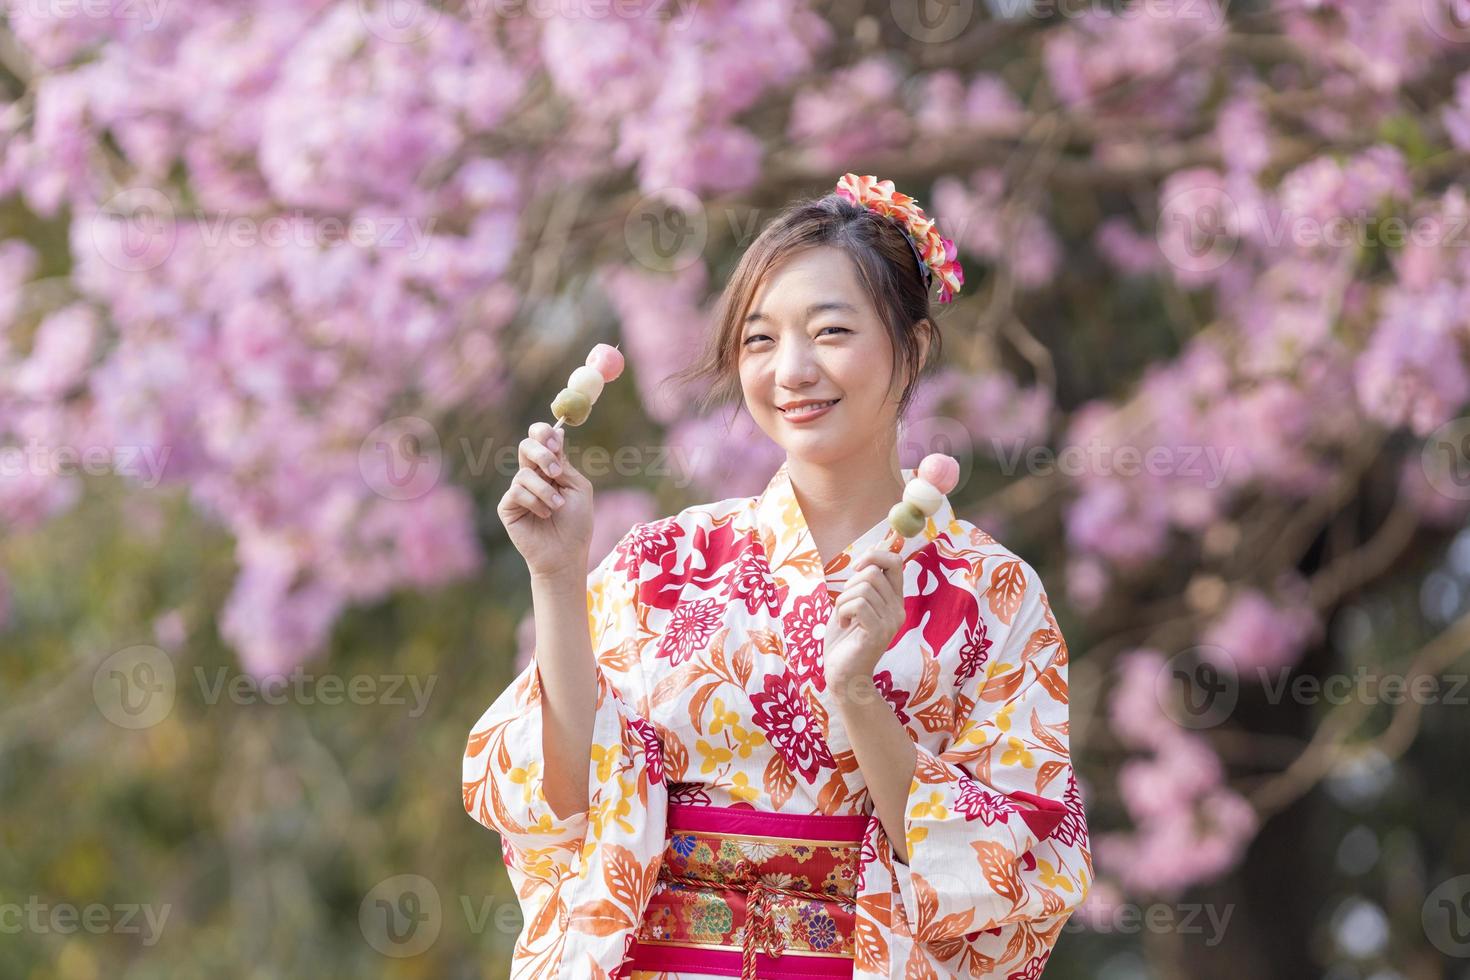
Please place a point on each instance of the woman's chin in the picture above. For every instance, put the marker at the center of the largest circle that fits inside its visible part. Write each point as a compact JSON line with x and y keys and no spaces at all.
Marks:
{"x":814,"y":447}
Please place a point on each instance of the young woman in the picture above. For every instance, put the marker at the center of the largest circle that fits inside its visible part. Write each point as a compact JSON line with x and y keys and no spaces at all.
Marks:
{"x":777,"y":745}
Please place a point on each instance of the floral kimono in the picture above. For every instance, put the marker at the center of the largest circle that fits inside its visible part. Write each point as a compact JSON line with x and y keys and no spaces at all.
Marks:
{"x":707,"y":628}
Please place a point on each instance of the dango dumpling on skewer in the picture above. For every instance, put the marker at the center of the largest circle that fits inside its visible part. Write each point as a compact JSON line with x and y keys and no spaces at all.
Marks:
{"x":938,"y":474}
{"x":573,"y":404}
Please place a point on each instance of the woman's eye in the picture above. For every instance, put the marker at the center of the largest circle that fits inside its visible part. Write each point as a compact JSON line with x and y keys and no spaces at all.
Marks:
{"x":760,"y":336}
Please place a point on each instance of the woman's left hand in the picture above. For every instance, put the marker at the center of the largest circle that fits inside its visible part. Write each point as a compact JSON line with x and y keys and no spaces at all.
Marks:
{"x":865,"y":617}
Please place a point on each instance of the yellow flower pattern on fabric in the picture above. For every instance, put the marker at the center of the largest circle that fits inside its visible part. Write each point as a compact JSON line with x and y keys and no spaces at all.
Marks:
{"x":932,"y":807}
{"x":544,"y":825}
{"x":721,"y":717}
{"x":1050,"y":878}
{"x":714,"y":756}
{"x":604,"y":756}
{"x":529,"y":779}
{"x":743,"y":790}
{"x":1016,"y":754}
{"x":747,"y":742}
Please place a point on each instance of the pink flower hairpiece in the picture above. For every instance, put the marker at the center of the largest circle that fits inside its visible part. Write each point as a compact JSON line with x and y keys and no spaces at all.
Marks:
{"x":936,"y":254}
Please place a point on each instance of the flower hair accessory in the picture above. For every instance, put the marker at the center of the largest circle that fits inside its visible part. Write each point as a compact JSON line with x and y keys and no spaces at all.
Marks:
{"x":936,"y":254}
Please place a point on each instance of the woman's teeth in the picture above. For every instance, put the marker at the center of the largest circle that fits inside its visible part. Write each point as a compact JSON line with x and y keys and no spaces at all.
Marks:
{"x":808,"y":409}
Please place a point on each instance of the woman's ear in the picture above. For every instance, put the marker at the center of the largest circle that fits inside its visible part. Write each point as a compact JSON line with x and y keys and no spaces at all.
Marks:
{"x":925,"y":329}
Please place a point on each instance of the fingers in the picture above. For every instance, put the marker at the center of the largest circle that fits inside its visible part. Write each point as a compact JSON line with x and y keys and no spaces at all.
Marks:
{"x":546,"y":446}
{"x":545,"y":475}
{"x":864,"y":589}
{"x":858,"y":608}
{"x":884,"y":560}
{"x":541,"y":450}
{"x":875,"y":587}
{"x":883,"y":569}
{"x":518,"y":497}
{"x":540,"y":490}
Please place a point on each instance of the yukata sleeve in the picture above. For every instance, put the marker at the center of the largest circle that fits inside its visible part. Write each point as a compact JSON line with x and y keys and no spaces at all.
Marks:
{"x":993,"y":822}
{"x":503,"y":775}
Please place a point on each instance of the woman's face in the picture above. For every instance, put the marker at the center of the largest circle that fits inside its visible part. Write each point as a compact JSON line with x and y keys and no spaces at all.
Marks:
{"x":812,"y":335}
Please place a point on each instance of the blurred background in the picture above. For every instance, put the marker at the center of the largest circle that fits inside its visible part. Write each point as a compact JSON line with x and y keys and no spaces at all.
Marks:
{"x":282,"y":284}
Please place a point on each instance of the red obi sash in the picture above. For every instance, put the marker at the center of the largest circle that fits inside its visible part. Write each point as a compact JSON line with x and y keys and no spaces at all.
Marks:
{"x":742,"y":891}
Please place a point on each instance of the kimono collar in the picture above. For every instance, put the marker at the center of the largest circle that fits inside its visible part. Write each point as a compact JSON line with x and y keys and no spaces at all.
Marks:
{"x":792,"y":553}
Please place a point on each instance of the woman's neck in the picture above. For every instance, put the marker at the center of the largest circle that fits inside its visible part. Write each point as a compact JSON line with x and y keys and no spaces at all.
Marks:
{"x":842,"y":501}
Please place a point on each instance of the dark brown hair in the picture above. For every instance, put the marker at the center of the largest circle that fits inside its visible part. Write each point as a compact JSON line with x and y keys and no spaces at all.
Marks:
{"x":885,"y":264}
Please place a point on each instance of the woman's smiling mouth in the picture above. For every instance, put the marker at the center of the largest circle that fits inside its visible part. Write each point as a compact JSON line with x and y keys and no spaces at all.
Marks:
{"x":808,"y":410}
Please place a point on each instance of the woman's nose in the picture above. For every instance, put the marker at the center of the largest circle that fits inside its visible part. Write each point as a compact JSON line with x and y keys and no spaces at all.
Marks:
{"x":796,"y":365}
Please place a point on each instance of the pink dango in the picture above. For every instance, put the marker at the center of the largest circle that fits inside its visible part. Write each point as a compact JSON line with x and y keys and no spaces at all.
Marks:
{"x":607,"y":361}
{"x":937,"y":475}
{"x":941,"y":471}
{"x":573,"y":404}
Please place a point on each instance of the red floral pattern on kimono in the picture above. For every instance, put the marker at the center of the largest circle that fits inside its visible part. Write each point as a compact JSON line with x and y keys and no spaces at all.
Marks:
{"x":707,"y":628}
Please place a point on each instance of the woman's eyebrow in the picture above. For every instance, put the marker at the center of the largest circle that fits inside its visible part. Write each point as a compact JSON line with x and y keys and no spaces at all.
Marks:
{"x":811,"y":311}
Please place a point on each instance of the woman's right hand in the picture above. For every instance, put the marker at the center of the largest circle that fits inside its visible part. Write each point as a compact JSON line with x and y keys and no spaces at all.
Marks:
{"x":553,"y":538}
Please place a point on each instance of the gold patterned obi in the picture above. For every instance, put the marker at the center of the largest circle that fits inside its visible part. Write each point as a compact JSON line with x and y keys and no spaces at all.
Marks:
{"x":745,"y":892}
